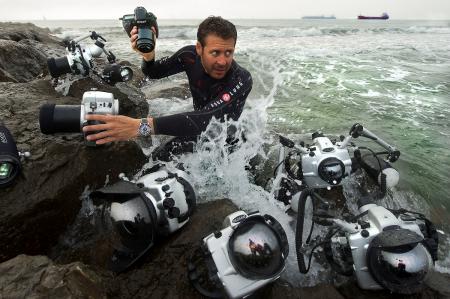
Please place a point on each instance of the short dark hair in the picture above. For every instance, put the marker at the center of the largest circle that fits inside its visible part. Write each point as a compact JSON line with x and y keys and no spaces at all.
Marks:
{"x":217,"y":26}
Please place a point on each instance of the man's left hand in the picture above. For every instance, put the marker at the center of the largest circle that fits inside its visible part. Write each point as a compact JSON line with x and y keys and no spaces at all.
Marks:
{"x":113,"y":128}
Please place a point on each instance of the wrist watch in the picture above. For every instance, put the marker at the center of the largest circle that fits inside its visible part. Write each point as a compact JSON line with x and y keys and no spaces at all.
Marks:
{"x":145,"y":128}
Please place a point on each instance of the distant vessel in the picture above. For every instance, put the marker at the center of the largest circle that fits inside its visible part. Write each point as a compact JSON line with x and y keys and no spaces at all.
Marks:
{"x":332,"y":17}
{"x":384,"y":16}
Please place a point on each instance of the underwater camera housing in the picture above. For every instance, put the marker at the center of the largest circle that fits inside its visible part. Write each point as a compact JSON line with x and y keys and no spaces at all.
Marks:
{"x":72,"y":118}
{"x":391,"y":250}
{"x":137,"y":213}
{"x":326,"y":162}
{"x":247,"y":254}
{"x":79,"y":61}
{"x":144,"y":21}
{"x":384,"y":248}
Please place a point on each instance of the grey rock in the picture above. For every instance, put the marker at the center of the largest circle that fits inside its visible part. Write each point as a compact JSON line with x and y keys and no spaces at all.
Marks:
{"x":38,"y":277}
{"x":24,"y":49}
{"x":22,"y":31}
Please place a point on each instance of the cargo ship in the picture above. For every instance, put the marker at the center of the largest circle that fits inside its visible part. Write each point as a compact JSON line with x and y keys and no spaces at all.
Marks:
{"x":384,"y":16}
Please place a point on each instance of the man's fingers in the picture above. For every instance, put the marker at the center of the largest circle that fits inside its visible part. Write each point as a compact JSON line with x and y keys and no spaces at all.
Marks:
{"x":99,"y":117}
{"x":105,"y":140}
{"x":99,"y":127}
{"x":99,"y":135}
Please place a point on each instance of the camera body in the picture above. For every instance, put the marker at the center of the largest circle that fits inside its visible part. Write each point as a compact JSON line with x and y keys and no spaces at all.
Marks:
{"x":72,"y":118}
{"x":144,"y":21}
{"x":247,"y":254}
{"x":404,"y":244}
{"x":98,"y":102}
{"x":325,"y":164}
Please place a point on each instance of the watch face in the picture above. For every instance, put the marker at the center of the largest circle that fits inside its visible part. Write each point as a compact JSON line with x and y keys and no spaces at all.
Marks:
{"x":144,"y":130}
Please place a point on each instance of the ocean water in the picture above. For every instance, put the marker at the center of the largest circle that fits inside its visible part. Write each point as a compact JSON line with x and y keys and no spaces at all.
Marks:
{"x":391,"y":76}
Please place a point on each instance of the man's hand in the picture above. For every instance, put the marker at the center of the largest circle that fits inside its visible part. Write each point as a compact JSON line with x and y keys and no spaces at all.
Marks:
{"x":114,"y":128}
{"x":134,"y":35}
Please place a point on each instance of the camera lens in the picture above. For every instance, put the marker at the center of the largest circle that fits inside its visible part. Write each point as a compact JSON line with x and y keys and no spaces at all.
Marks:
{"x":58,"y":66}
{"x":331,"y":170}
{"x":5,"y":170}
{"x":145,"y":41}
{"x":9,"y":158}
{"x":116,"y":73}
{"x":256,"y":249}
{"x":60,"y":118}
{"x":126,"y":73}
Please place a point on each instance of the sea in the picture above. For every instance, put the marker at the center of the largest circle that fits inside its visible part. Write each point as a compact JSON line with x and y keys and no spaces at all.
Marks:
{"x":393,"y":77}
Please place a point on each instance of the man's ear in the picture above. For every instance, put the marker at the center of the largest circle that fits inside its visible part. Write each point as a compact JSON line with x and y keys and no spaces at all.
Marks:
{"x":199,"y":48}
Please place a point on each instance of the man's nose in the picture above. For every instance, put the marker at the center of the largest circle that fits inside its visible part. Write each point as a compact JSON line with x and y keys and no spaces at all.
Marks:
{"x":221,"y":60}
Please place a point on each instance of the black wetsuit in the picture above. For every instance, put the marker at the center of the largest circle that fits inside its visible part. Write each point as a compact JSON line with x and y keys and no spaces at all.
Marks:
{"x":211,"y":97}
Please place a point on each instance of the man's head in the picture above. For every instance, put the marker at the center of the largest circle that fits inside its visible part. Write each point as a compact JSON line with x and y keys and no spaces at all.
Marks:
{"x":216,"y":39}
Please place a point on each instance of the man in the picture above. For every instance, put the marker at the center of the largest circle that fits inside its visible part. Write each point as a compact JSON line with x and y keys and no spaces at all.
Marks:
{"x":219,"y":88}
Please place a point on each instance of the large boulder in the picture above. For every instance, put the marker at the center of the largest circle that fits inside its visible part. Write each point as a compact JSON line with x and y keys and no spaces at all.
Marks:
{"x":24,"y":49}
{"x":27,"y":31}
{"x":38,"y":277}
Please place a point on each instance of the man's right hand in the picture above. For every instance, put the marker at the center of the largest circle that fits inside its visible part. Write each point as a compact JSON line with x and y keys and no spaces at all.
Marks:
{"x":134,"y":35}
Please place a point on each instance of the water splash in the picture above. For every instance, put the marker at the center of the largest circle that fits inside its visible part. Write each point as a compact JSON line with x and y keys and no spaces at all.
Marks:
{"x":219,"y":167}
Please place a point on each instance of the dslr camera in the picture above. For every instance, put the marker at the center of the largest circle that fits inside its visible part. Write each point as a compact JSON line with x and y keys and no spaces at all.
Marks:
{"x":72,"y":118}
{"x":144,"y":21}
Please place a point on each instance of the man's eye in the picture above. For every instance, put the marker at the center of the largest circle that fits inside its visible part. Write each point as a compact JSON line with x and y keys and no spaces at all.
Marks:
{"x":214,"y":53}
{"x":228,"y":53}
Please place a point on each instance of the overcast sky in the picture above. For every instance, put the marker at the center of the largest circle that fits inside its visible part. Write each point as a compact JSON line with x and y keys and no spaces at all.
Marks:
{"x":232,"y":9}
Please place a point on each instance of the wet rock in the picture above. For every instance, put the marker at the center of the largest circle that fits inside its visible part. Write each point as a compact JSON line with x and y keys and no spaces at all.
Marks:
{"x":440,"y":282}
{"x":38,"y":277}
{"x":27,"y":31}
{"x":44,"y":199}
{"x":24,"y":49}
{"x":351,"y":290}
{"x":279,"y":290}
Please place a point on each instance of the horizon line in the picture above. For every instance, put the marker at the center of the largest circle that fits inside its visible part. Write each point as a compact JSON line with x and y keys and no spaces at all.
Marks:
{"x":196,"y":19}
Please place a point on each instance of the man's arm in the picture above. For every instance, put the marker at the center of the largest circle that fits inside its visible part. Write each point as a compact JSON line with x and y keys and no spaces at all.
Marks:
{"x":230,"y":102}
{"x":166,"y":66}
{"x":121,"y":128}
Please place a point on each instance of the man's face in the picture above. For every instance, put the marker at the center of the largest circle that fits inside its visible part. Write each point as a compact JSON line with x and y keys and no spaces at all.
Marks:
{"x":216,"y":55}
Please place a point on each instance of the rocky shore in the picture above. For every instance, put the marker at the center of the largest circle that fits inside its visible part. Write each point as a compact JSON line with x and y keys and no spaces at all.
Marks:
{"x":42,"y":205}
